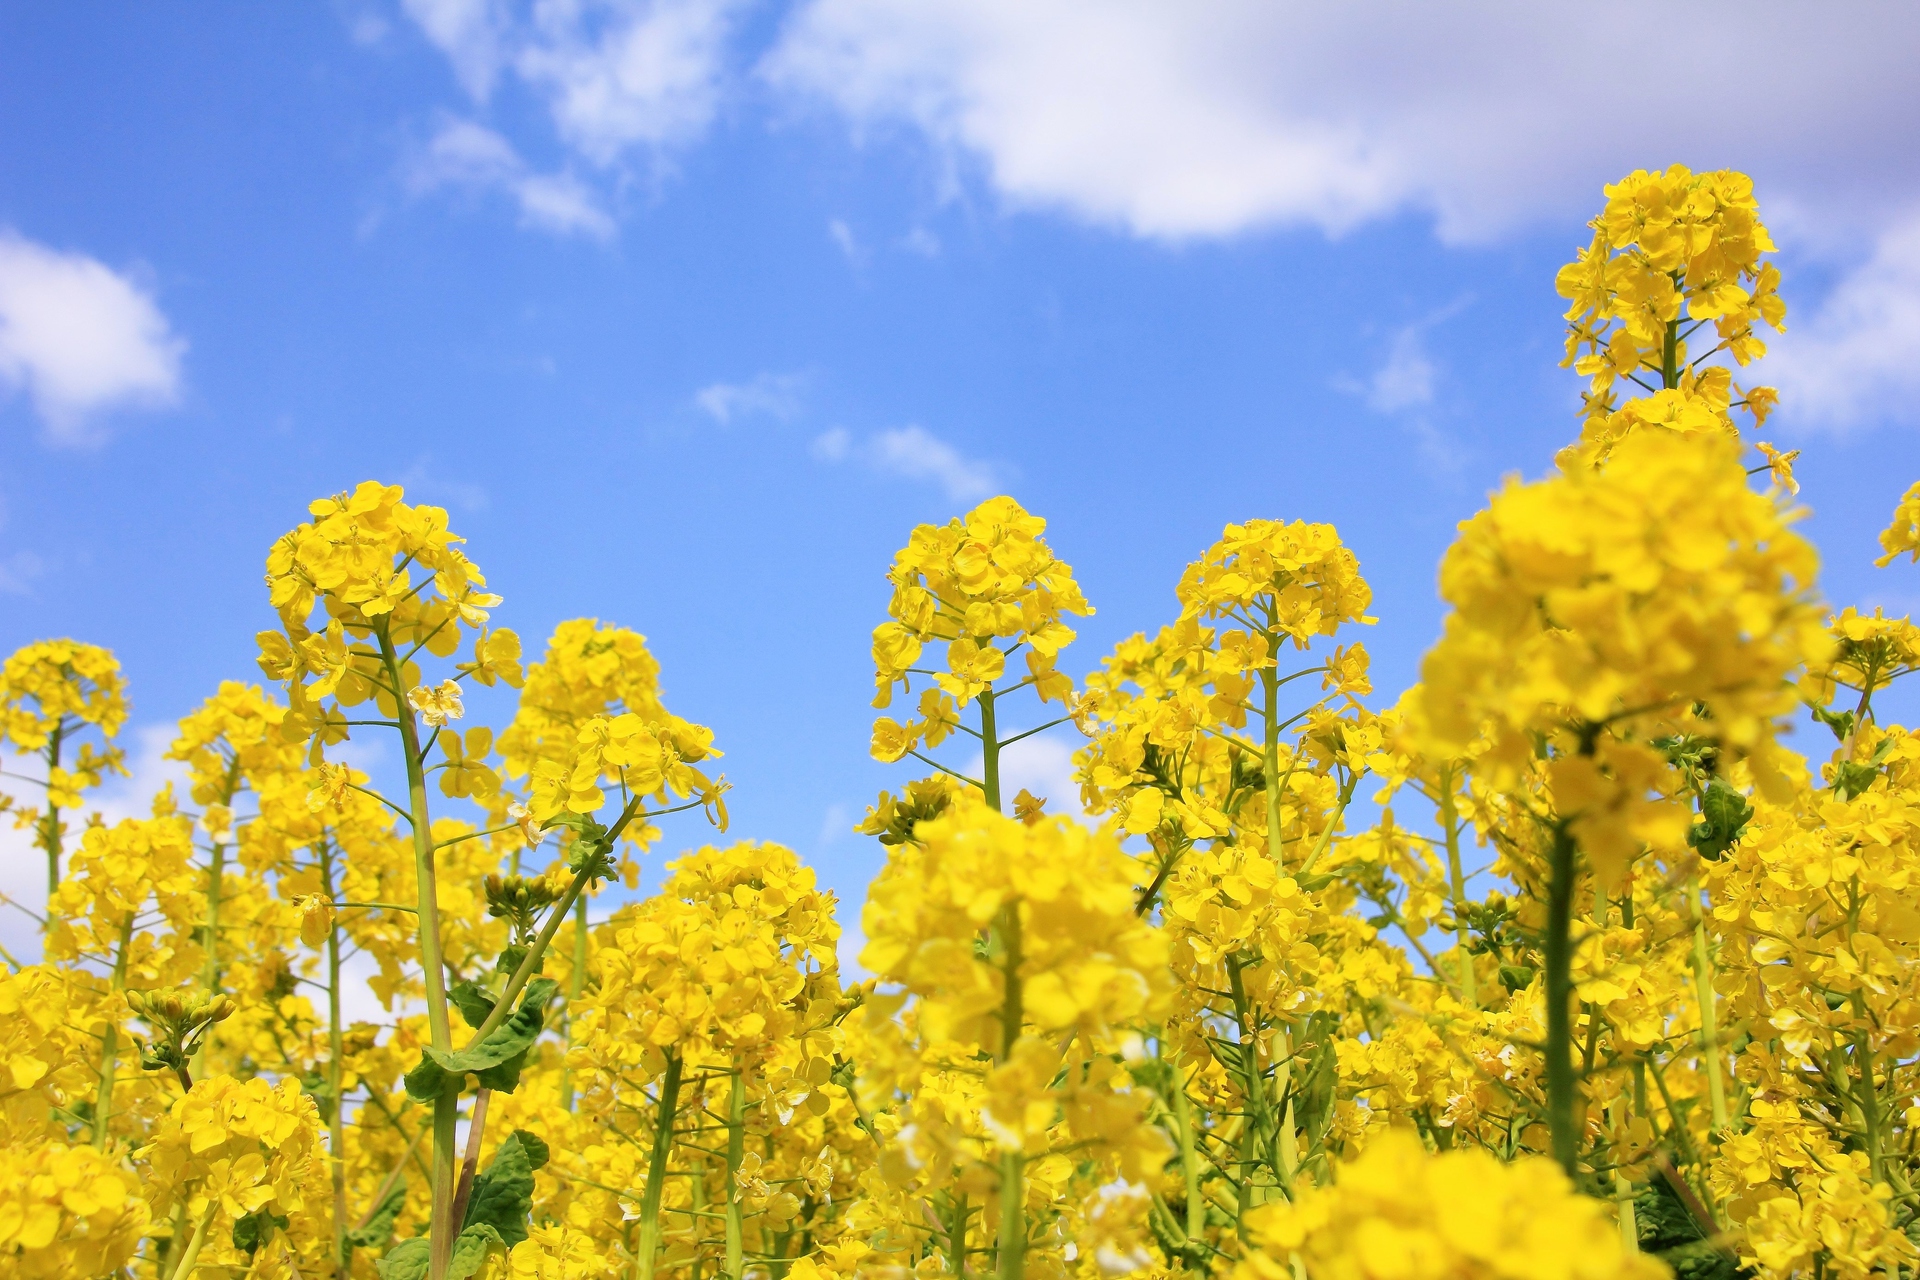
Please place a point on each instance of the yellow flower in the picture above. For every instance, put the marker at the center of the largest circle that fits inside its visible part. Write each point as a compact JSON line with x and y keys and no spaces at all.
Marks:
{"x":67,"y":1211}
{"x":437,"y":705}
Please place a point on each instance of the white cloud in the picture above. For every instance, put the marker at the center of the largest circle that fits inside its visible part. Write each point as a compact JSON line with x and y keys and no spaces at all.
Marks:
{"x":1405,"y":380}
{"x":624,"y":73}
{"x":614,"y":74}
{"x":848,"y":244}
{"x":1197,"y":120}
{"x":79,"y":338}
{"x":912,"y":453}
{"x":17,"y":572}
{"x":471,"y":35}
{"x":774,"y":395}
{"x":469,"y":156}
{"x":1858,"y":356}
{"x":832,"y":445}
{"x":921,"y":241}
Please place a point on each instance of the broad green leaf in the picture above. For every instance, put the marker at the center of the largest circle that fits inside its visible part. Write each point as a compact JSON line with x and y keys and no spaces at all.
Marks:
{"x":474,"y":1004}
{"x":406,"y":1261}
{"x":503,"y":1195}
{"x":470,"y":1249}
{"x":505,"y":1047}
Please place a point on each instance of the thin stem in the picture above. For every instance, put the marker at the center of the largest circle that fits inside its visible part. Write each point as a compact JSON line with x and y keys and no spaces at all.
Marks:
{"x":50,"y":824}
{"x":470,"y":1163}
{"x":445,"y":1108}
{"x":191,"y":1254}
{"x":649,"y":1246}
{"x":110,"y":1042}
{"x":989,"y":752}
{"x":1013,"y":1199}
{"x":1709,"y":1013}
{"x":574,"y":983}
{"x":1457,"y":883}
{"x":1561,"y":1086}
{"x":736,"y":1149}
{"x":336,"y":1051}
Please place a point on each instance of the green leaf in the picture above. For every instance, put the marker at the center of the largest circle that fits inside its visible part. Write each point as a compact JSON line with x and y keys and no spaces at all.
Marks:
{"x":378,"y":1229}
{"x":474,"y":1004}
{"x":470,"y":1249}
{"x":406,"y":1261}
{"x":254,"y":1230}
{"x":496,"y":1060}
{"x":1841,"y":722}
{"x":1724,"y":814}
{"x":503,"y":1196}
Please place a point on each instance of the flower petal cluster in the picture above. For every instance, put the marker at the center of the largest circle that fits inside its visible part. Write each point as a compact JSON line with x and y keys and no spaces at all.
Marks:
{"x":1398,"y":1213}
{"x":984,"y":586}
{"x":67,"y":1211}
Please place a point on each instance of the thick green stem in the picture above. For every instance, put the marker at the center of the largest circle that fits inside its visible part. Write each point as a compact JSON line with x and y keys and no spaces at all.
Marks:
{"x":50,"y":824}
{"x":1189,"y":1156}
{"x":439,"y":1027}
{"x":110,"y":1042}
{"x":736,"y":1149}
{"x":989,"y":752}
{"x":957,"y":1238}
{"x":1562,"y":1103}
{"x":1709,"y":1014}
{"x":645,"y":1253}
{"x":1013,"y":1194}
{"x":1457,"y":884}
{"x":575,"y":981}
{"x":336,"y":1050}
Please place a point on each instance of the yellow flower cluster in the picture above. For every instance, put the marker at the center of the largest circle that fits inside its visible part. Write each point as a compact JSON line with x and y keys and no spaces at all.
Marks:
{"x":1398,"y":1213}
{"x":1671,"y":249}
{"x":1660,"y":597}
{"x":67,"y":1212}
{"x":971,"y":584}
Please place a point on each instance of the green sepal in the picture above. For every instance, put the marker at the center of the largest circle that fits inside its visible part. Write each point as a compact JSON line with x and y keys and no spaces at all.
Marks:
{"x":496,"y":1060}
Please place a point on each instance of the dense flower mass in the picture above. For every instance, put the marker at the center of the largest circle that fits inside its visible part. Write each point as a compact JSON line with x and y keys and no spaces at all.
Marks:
{"x":1562,"y":965}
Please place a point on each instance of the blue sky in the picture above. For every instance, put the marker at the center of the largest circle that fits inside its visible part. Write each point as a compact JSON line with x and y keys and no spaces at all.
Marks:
{"x":688,"y":310}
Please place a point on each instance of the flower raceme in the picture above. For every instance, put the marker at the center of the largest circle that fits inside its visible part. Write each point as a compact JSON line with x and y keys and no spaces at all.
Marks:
{"x":971,"y":584}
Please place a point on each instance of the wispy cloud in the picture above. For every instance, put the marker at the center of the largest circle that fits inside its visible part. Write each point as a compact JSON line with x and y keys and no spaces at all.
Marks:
{"x":773,"y":395}
{"x":1858,"y":357}
{"x":913,"y":453}
{"x":849,"y":244}
{"x":467,"y":156}
{"x":81,"y":339}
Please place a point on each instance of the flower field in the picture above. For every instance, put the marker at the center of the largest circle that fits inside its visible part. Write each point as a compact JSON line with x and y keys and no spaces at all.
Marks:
{"x":1562,"y":964}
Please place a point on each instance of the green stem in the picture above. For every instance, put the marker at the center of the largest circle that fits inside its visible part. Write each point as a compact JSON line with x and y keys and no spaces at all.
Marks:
{"x":989,"y":752}
{"x":957,"y":1238}
{"x":1254,"y":1147}
{"x":574,"y":983}
{"x":216,"y":876}
{"x":1709,"y":1014}
{"x":1457,"y":882}
{"x":1270,"y":740}
{"x":649,"y":1246}
{"x":736,"y":1148}
{"x":441,"y":1230}
{"x":50,"y":824}
{"x":1013,"y":1196}
{"x":110,"y":1042}
{"x":1189,"y":1155}
{"x":336,"y":1050}
{"x":191,"y":1255}
{"x":1561,"y":1086}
